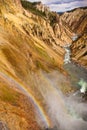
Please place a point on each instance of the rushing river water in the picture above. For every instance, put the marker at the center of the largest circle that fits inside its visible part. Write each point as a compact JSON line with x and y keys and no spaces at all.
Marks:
{"x":59,"y":112}
{"x":55,"y":110}
{"x":67,"y":58}
{"x":65,"y":112}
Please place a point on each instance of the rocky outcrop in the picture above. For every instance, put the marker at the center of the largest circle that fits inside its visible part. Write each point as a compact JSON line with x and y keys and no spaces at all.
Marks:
{"x":76,"y":20}
{"x":79,"y":50}
{"x":39,"y":6}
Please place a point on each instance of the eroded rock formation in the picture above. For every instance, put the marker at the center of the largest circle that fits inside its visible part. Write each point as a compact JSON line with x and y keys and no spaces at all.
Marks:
{"x":30,"y":42}
{"x":77,"y":21}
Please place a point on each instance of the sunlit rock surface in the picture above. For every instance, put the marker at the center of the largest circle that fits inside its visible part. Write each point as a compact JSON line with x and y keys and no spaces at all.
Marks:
{"x":79,"y":50}
{"x":77,"y":22}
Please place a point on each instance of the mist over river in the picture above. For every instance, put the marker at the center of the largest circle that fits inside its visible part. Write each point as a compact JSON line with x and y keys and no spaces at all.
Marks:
{"x":65,"y":111}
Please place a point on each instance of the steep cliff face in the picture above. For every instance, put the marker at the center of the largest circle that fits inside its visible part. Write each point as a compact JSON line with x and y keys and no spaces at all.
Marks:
{"x":79,"y":50}
{"x":29,"y":42}
{"x":26,"y":45}
{"x":49,"y":27}
{"x":37,"y":30}
{"x":77,"y":21}
{"x":16,"y":110}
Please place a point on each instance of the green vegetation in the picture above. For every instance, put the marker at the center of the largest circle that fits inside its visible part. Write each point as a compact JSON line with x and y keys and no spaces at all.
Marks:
{"x":45,"y":62}
{"x":31,"y":7}
{"x":53,"y":17}
{"x":42,"y":52}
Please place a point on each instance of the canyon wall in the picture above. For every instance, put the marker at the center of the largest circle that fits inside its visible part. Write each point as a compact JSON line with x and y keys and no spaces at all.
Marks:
{"x":31,"y":42}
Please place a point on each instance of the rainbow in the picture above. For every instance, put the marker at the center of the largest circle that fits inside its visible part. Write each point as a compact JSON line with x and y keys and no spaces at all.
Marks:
{"x":28,"y":93}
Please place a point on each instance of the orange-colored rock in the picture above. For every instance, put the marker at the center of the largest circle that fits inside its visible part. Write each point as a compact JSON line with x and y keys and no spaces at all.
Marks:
{"x":77,"y":22}
{"x":28,"y":43}
{"x":79,"y":50}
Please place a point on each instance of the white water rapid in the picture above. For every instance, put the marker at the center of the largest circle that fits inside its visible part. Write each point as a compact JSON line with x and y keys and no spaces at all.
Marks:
{"x":67,"y":58}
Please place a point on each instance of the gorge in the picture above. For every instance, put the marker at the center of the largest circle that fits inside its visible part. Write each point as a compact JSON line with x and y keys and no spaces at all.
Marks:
{"x":43,"y":65}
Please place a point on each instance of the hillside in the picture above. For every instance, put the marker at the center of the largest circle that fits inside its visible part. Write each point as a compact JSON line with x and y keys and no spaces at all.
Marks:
{"x":25,"y":48}
{"x":76,"y":20}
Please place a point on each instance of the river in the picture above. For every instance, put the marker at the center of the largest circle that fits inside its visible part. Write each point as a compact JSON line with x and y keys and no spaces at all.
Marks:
{"x":54,"y":109}
{"x":66,"y":112}
{"x":69,"y":112}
